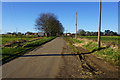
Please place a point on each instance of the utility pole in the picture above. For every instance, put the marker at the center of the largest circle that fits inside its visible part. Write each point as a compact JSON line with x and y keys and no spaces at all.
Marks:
{"x":76,"y":27}
{"x":66,"y":32}
{"x":16,"y":30}
{"x":99,"y":25}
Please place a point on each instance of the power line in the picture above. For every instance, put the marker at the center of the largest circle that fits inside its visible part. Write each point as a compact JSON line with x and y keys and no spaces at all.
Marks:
{"x":76,"y":27}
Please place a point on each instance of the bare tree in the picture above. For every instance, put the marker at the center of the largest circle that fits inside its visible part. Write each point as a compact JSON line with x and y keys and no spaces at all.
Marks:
{"x":81,"y":32}
{"x":48,"y":23}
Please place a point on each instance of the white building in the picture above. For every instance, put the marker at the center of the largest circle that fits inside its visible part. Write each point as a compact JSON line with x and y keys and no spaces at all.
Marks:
{"x":40,"y":34}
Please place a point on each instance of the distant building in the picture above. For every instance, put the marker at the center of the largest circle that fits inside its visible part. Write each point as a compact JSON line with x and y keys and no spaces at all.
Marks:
{"x":9,"y":33}
{"x":35,"y":33}
{"x":67,"y":34}
{"x":73,"y":34}
{"x":27,"y":34}
{"x":40,"y":34}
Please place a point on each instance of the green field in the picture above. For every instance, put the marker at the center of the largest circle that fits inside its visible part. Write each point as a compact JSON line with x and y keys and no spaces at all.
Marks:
{"x":11,"y":38}
{"x":106,"y":39}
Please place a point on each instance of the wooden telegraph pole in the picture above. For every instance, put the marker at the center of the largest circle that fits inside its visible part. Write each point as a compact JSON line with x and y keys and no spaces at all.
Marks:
{"x":16,"y":30}
{"x":99,"y":25}
{"x":76,"y":27}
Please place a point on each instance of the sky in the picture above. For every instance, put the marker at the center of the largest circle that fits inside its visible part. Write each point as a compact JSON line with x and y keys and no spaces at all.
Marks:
{"x":22,"y":15}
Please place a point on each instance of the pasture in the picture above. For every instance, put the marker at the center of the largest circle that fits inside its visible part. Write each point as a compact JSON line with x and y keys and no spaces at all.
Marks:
{"x":106,"y":39}
{"x":12,"y":38}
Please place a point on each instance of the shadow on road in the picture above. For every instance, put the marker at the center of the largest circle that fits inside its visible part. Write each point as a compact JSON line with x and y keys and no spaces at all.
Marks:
{"x":50,"y":55}
{"x":96,"y":50}
{"x":64,"y":54}
{"x":61,"y":54}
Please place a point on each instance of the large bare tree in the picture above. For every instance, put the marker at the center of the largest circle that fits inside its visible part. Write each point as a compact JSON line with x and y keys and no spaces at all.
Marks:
{"x":48,"y":23}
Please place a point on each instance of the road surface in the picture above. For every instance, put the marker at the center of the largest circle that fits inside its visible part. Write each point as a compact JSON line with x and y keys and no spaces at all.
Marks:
{"x":39,"y":63}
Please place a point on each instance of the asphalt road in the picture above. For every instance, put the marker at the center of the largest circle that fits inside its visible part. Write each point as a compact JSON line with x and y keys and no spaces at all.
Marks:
{"x":39,"y":63}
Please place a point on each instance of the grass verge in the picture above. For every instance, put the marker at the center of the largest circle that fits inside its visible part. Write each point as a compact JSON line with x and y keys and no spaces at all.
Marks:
{"x":70,"y":41}
{"x":106,"y":53}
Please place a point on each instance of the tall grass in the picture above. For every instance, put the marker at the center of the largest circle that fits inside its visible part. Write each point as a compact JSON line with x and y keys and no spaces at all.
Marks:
{"x":106,"y":39}
{"x":106,"y":53}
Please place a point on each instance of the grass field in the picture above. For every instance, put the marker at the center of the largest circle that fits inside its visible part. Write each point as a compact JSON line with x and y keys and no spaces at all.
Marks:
{"x":106,"y":39}
{"x":11,"y":38}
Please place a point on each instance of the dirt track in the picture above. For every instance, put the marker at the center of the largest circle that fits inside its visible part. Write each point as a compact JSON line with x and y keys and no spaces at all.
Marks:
{"x":107,"y":69}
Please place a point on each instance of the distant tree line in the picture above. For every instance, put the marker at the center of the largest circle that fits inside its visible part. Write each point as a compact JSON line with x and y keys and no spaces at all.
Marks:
{"x":19,"y":33}
{"x":82,"y":32}
{"x":49,"y":23}
{"x":14,"y":33}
